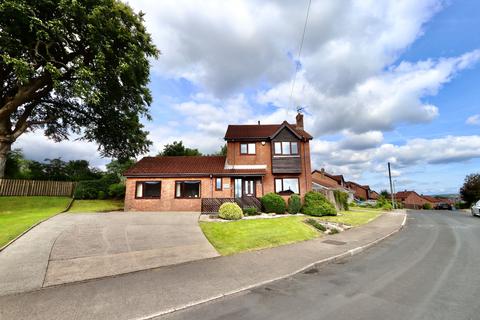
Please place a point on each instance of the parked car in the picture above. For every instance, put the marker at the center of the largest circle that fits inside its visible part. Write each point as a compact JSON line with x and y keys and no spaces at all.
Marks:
{"x":476,"y":209}
{"x":443,"y":206}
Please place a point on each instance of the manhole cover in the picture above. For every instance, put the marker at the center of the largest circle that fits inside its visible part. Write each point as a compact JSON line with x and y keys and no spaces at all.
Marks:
{"x":335,"y":242}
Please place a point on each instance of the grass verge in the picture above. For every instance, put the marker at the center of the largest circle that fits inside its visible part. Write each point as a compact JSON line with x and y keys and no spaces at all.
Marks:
{"x":17,"y":214}
{"x":353,"y":217}
{"x":237,"y":236}
{"x":96,"y":206}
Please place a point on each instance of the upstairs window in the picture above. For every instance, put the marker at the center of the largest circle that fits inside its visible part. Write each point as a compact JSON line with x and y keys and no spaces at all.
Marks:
{"x":148,"y":189}
{"x":285,"y":148}
{"x":187,"y":189}
{"x":287,"y":185}
{"x":247,"y":148}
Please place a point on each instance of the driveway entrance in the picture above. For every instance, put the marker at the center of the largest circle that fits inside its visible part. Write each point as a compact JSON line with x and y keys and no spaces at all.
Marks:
{"x":76,"y":247}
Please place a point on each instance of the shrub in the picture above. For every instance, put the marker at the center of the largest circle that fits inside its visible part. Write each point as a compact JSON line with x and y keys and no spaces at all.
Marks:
{"x":427,"y":206}
{"x":101,"y":195}
{"x":250,"y":211}
{"x":272,"y":202}
{"x":317,"y":225}
{"x":116,"y":190}
{"x":89,"y":189}
{"x":316,"y":204}
{"x":341,"y":198}
{"x":230,"y":211}
{"x":294,"y":204}
{"x":387,"y":206}
{"x":334,"y":231}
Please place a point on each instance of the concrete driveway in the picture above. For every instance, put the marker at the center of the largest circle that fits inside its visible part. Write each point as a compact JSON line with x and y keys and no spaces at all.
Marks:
{"x":76,"y":247}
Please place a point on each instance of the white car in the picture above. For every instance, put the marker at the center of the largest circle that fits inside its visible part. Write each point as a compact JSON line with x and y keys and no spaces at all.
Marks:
{"x":476,"y":209}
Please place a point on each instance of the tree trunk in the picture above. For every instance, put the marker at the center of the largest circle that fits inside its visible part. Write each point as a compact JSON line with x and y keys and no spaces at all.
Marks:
{"x":4,"y":150}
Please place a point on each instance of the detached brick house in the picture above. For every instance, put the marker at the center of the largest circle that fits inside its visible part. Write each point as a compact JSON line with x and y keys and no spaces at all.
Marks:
{"x":322,"y":180}
{"x":360,"y":192}
{"x":260,"y":159}
{"x":411,"y":199}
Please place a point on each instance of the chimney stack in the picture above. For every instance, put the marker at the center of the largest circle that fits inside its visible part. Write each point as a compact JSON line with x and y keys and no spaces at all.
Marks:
{"x":299,"y":119}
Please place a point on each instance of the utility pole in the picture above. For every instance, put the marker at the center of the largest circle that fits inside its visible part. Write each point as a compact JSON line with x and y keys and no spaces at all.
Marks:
{"x":391,"y":185}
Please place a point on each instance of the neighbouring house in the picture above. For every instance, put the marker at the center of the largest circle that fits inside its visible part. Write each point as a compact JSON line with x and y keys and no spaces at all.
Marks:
{"x":436,"y":201}
{"x":260,"y":159}
{"x":374,"y":195}
{"x":411,"y":199}
{"x":322,"y":180}
{"x":362,"y":192}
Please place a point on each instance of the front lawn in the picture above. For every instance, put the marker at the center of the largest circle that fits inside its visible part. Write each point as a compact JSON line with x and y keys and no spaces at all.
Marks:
{"x":17,"y":214}
{"x":237,"y":236}
{"x":354,"y":217}
{"x":96,"y":206}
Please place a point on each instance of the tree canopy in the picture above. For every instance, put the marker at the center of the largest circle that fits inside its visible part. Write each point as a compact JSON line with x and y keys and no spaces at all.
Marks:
{"x":75,"y":67}
{"x":470,"y":191}
{"x":50,"y":169}
{"x":178,"y":149}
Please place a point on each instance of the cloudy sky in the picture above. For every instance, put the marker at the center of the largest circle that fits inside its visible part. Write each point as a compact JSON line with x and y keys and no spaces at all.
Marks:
{"x":379,"y":81}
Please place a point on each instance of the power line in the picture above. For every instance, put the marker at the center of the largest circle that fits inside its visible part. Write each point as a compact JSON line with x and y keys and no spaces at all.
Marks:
{"x":299,"y":52}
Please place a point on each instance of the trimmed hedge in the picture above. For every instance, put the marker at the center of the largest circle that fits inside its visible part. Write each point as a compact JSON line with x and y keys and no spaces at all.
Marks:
{"x":272,"y":202}
{"x":230,"y":211}
{"x":95,"y":189}
{"x":316,"y":204}
{"x":250,"y":211}
{"x":294,"y":204}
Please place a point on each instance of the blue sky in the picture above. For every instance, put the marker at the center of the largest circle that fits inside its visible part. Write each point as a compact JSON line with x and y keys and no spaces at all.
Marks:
{"x":380,"y":81}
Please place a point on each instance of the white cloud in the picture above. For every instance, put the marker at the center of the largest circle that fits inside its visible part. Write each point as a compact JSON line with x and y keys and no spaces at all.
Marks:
{"x":225,"y":46}
{"x":473,"y":120}
{"x":448,"y":149}
{"x":380,"y":102}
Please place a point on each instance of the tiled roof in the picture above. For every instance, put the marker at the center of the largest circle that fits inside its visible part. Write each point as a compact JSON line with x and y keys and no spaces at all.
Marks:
{"x":402,"y":195}
{"x":432,"y":199}
{"x":184,"y":166}
{"x":325,"y":183}
{"x":260,"y":131}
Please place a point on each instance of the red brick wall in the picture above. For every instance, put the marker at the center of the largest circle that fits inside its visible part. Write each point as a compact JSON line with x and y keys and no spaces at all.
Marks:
{"x":264,"y":156}
{"x":167,"y":201}
{"x":414,"y":201}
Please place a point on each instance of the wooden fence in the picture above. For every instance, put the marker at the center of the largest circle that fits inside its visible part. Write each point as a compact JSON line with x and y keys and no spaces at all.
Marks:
{"x":13,"y":187}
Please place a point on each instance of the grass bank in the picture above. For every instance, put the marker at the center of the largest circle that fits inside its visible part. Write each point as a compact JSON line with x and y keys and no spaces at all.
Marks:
{"x":237,"y":236}
{"x":17,"y":214}
{"x":355,"y":217}
{"x":96,"y":206}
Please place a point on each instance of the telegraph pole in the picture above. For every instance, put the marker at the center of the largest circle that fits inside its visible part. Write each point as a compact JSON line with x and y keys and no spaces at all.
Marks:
{"x":391,"y":185}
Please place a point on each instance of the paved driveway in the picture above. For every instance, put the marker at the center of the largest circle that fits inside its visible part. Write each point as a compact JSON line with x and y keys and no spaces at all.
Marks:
{"x":75,"y":247}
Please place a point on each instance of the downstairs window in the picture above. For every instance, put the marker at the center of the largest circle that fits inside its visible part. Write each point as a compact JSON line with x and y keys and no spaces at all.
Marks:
{"x":187,"y":189}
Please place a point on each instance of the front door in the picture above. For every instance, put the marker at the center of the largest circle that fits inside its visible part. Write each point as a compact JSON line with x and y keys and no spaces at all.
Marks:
{"x":249,"y":187}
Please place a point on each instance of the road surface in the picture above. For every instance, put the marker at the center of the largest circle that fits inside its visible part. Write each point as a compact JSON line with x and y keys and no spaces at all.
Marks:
{"x":429,"y":270}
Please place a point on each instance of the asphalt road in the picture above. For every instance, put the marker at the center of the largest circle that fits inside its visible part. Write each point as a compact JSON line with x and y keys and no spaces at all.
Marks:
{"x":430,"y":270}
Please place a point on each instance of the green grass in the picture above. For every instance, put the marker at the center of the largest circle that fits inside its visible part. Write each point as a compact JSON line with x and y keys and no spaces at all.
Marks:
{"x":96,"y":205}
{"x":17,"y":214}
{"x":354,"y":218}
{"x":233,"y":237}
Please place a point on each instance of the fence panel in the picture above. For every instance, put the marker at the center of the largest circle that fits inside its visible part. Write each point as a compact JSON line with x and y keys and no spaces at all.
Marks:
{"x":17,"y":187}
{"x":211,"y":205}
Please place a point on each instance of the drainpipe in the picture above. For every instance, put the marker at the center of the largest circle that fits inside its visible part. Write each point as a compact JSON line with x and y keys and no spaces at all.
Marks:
{"x":211,"y":186}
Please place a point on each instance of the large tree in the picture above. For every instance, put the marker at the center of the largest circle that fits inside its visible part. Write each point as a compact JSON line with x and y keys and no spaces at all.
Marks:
{"x":76,"y":67}
{"x":470,"y":190}
{"x":178,"y":149}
